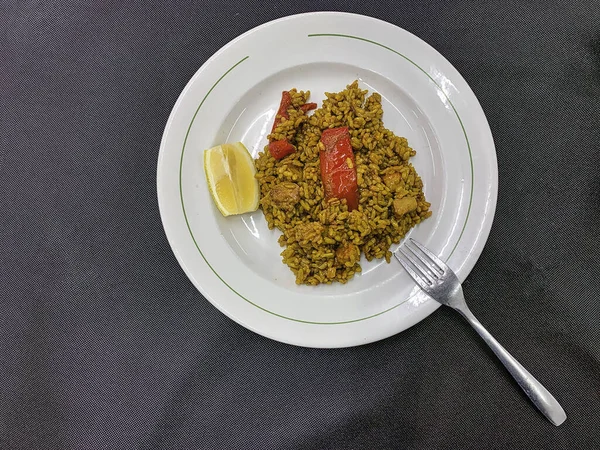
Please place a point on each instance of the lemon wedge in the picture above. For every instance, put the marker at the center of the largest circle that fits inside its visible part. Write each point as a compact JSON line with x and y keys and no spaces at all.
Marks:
{"x":230,"y":174}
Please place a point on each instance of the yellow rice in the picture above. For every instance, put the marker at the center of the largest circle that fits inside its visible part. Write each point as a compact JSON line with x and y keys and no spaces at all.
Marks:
{"x":323,"y":241}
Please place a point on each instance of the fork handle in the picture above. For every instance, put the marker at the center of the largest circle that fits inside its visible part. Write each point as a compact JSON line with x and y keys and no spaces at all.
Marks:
{"x":537,"y":393}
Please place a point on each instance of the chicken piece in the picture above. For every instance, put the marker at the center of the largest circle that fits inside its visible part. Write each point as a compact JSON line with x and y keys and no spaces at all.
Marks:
{"x":392,"y":180}
{"x":285,"y":195}
{"x":404,"y":205}
{"x":347,"y":254}
{"x":309,"y":233}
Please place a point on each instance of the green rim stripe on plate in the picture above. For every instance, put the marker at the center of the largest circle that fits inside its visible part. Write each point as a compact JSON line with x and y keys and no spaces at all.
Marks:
{"x":204,"y":257}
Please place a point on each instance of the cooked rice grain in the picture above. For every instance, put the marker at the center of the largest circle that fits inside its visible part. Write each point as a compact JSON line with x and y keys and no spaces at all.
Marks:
{"x":324,"y":241}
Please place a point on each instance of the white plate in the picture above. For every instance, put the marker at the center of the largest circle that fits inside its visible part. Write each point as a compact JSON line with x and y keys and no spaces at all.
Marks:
{"x":235,"y":261}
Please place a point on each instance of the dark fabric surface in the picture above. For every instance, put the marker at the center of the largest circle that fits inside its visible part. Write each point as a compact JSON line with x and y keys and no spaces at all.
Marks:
{"x":104,"y":343}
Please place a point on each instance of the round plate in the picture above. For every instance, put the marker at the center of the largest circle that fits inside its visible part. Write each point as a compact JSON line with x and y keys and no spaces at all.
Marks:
{"x":235,"y":261}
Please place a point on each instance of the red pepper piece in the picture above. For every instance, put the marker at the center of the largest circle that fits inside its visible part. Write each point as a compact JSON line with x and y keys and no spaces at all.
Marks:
{"x":308,"y":107}
{"x":280,"y":149}
{"x":286,"y":103}
{"x":338,"y":169}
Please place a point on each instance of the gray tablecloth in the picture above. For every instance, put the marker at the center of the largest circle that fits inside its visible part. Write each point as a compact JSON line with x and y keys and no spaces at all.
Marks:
{"x":104,"y":343}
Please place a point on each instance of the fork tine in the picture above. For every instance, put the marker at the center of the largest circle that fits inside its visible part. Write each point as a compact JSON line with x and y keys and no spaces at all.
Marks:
{"x":413,"y":269}
{"x":416,"y":277}
{"x":437,"y":261}
{"x":424,"y":266}
{"x":433,"y":270}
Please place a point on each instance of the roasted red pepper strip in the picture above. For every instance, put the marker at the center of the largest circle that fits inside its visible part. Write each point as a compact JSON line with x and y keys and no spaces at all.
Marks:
{"x":280,"y":149}
{"x":286,"y":103}
{"x":338,"y":169}
{"x":308,"y":107}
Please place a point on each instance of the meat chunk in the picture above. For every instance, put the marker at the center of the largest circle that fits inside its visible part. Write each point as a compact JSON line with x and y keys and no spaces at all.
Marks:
{"x":347,"y":254}
{"x":285,"y":195}
{"x":392,"y":180}
{"x":309,"y":233}
{"x":404,"y":205}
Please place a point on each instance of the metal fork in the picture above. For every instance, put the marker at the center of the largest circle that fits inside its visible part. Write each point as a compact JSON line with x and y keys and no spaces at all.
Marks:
{"x":439,"y":281}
